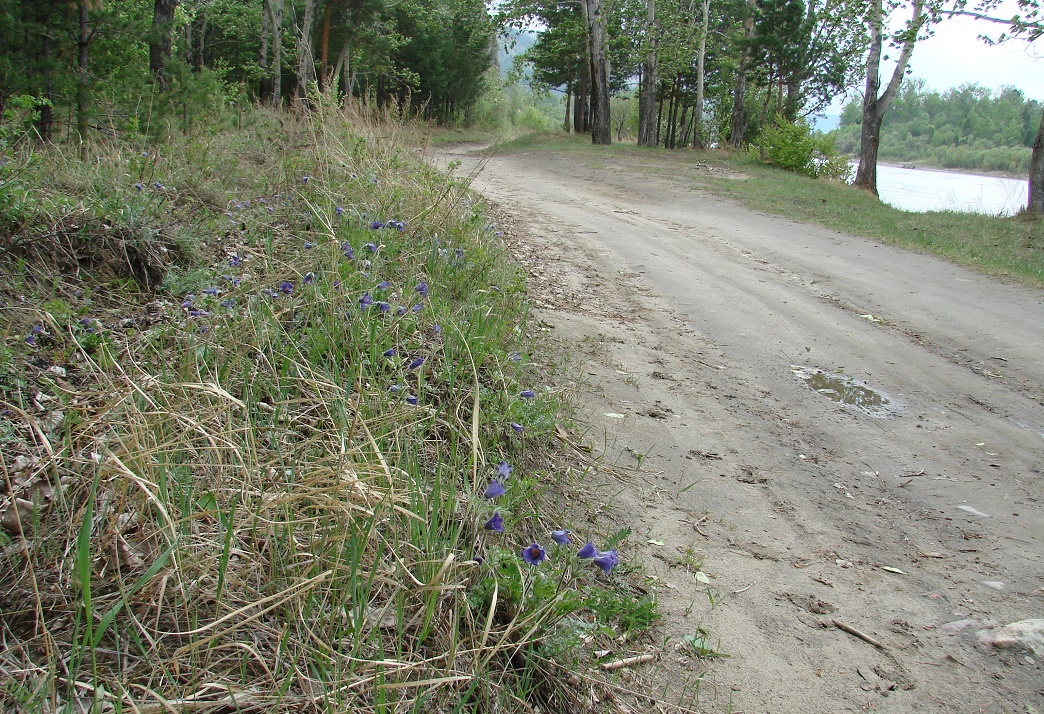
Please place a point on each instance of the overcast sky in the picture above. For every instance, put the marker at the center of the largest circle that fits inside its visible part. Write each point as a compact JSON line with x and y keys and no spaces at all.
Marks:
{"x":955,"y":55}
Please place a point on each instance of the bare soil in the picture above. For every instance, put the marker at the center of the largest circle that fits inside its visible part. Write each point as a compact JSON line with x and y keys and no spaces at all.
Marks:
{"x":916,"y":527}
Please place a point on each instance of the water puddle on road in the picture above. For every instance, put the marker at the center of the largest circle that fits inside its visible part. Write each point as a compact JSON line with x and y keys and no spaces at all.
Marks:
{"x":848,"y":391}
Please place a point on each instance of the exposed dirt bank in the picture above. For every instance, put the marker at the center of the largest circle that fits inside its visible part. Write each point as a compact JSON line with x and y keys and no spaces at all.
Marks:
{"x":918,"y":526}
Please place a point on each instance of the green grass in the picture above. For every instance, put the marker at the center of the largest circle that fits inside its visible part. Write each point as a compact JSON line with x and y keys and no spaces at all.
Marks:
{"x":1011,"y":247}
{"x":243,"y":482}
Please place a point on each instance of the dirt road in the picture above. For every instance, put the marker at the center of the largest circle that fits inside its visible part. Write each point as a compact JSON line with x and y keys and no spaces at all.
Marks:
{"x":715,"y":339}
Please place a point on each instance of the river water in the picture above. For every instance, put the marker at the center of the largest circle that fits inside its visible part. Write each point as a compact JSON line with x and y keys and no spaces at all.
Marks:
{"x":923,"y":190}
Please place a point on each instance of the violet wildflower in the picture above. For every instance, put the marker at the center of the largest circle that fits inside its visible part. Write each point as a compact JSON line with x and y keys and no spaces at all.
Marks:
{"x":269,"y":209}
{"x":270,"y":292}
{"x":561,"y":537}
{"x":304,"y":179}
{"x":139,"y":187}
{"x":459,"y":252}
{"x":229,"y":214}
{"x":338,"y":210}
{"x":186,"y":304}
{"x":422,"y":288}
{"x":349,"y":252}
{"x":85,"y":321}
{"x":213,"y":292}
{"x":234,"y":261}
{"x":477,"y":559}
{"x":383,"y":306}
{"x":416,"y":363}
{"x":286,"y":287}
{"x":527,"y":394}
{"x":31,"y":340}
{"x":588,"y":551}
{"x":227,"y":304}
{"x":504,"y":469}
{"x":198,"y":313}
{"x":389,"y":353}
{"x":517,"y":428}
{"x":607,"y":560}
{"x":372,"y":247}
{"x":157,"y":185}
{"x":37,"y":330}
{"x":515,"y":357}
{"x":365,"y":301}
{"x":394,"y":389}
{"x":309,"y":278}
{"x":400,"y":311}
{"x":534,"y":554}
{"x":417,"y":308}
{"x":411,"y":400}
{"x":496,"y":523}
{"x":495,"y":489}
{"x":376,"y":225}
{"x":308,"y":245}
{"x":383,"y":285}
{"x":436,"y":328}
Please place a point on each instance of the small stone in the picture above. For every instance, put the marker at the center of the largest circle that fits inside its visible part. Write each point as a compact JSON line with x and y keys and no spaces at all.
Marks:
{"x":995,"y":584}
{"x":1024,"y":634}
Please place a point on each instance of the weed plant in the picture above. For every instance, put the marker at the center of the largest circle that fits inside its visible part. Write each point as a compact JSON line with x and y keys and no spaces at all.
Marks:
{"x":271,"y":440}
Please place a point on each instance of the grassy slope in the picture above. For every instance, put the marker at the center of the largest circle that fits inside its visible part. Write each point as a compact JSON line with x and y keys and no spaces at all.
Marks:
{"x":238,"y":479}
{"x":1008,"y":247}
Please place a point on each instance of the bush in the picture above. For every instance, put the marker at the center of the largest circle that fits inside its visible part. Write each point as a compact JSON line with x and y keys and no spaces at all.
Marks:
{"x":794,"y":147}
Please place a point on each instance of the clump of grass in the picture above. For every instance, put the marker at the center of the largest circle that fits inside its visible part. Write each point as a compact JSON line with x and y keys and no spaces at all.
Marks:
{"x":266,"y":485}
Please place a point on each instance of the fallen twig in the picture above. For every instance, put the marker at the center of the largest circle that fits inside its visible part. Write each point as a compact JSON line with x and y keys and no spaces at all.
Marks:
{"x":743,"y":590}
{"x":856,"y":633}
{"x":628,"y":661}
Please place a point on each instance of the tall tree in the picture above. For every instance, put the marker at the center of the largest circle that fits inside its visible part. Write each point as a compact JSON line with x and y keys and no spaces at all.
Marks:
{"x":739,"y":95}
{"x":874,"y":105}
{"x":701,"y":71}
{"x":648,"y":134}
{"x":601,"y":127}
{"x":160,"y":39}
{"x":305,"y":54}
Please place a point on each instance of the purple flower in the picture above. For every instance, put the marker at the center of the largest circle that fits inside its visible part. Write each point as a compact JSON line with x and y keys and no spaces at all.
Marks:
{"x":309,"y":278}
{"x":286,"y":287}
{"x":376,"y":225}
{"x":607,"y":560}
{"x":372,"y":247}
{"x":349,"y":252}
{"x":269,"y":209}
{"x":234,"y":261}
{"x":417,"y":308}
{"x":394,"y":389}
{"x":365,"y":301}
{"x":338,"y":210}
{"x":411,"y":400}
{"x":227,"y":303}
{"x":496,"y":523}
{"x":384,"y":307}
{"x":436,"y":328}
{"x":270,"y":292}
{"x":37,"y":330}
{"x":138,"y":186}
{"x":422,"y":288}
{"x":515,"y":357}
{"x":229,"y":214}
{"x":304,"y":179}
{"x":477,"y":560}
{"x":389,"y":353}
{"x":504,"y":469}
{"x":383,"y":285}
{"x":31,"y":340}
{"x":85,"y":321}
{"x":588,"y":551}
{"x":534,"y":554}
{"x":400,"y":311}
{"x":560,"y":537}
{"x":495,"y":489}
{"x":186,"y":305}
{"x":417,"y":362}
{"x":158,"y":186}
{"x":527,"y":394}
{"x":308,"y":245}
{"x":198,"y":313}
{"x":517,"y":428}
{"x":213,"y":292}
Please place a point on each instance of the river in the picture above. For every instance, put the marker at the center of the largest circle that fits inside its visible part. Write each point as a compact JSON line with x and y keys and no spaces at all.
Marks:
{"x":922,"y":190}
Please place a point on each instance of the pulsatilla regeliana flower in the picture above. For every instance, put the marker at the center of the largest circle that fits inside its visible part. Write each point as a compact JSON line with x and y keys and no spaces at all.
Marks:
{"x":588,"y":551}
{"x":534,"y":554}
{"x":606,"y":560}
{"x":504,"y":469}
{"x":496,"y":523}
{"x":561,"y":537}
{"x":494,"y":490}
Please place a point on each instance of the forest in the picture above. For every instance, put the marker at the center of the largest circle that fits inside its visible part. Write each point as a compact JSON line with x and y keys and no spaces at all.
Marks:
{"x":703,"y":73}
{"x":969,"y":127}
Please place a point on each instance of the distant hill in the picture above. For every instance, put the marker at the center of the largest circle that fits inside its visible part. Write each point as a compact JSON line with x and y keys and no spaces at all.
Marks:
{"x":517,"y":43}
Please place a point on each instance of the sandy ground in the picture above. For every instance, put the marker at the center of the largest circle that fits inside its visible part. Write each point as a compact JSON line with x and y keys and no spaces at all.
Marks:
{"x":919,"y":525}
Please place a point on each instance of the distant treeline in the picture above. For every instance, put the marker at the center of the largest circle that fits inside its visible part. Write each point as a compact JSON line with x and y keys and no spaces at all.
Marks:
{"x":969,"y":127}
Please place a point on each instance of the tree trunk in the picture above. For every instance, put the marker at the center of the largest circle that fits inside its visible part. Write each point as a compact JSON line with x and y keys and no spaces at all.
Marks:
{"x":701,"y":60}
{"x":601,"y":129}
{"x":568,"y":103}
{"x":581,"y":103}
{"x":81,"y":84}
{"x":739,"y":109}
{"x":266,"y":31}
{"x":342,"y":66}
{"x":647,"y":129}
{"x":1036,"y":174}
{"x":160,"y":39}
{"x":277,"y":52}
{"x":874,"y":107}
{"x":305,"y":60}
{"x":324,"y":53}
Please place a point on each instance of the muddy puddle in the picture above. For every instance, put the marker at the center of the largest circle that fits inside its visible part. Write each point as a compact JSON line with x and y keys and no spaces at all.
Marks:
{"x":847,"y":390}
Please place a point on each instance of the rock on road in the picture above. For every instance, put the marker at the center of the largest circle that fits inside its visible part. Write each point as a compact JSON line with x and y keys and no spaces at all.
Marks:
{"x":698,"y":318}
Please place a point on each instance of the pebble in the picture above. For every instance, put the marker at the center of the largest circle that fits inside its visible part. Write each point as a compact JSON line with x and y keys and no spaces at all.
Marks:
{"x":995,"y":584}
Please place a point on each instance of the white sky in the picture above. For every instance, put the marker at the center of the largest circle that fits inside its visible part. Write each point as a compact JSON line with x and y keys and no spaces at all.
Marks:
{"x":955,"y":55}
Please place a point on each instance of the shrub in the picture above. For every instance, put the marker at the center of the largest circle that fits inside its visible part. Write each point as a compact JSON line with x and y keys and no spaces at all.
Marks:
{"x":794,"y":147}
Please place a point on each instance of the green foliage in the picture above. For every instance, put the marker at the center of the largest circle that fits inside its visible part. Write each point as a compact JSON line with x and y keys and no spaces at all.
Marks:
{"x":795,"y":147}
{"x":968,"y":127}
